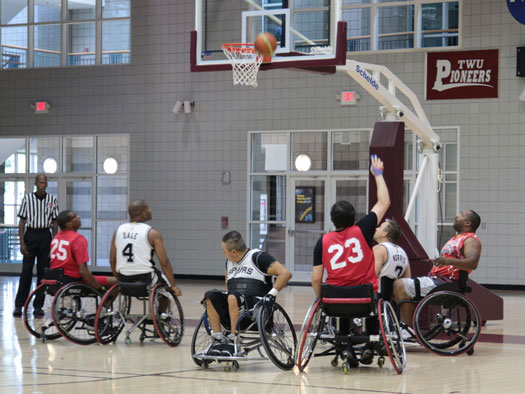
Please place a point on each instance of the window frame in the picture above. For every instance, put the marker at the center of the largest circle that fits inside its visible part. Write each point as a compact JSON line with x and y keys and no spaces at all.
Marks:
{"x":417,"y":33}
{"x":64,"y":23}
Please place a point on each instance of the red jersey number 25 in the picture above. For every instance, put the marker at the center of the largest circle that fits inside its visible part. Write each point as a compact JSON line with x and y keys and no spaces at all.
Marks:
{"x":355,"y":253}
{"x":58,"y":250}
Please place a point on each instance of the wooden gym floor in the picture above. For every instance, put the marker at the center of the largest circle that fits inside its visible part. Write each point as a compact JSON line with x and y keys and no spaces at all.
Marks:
{"x":59,"y":366}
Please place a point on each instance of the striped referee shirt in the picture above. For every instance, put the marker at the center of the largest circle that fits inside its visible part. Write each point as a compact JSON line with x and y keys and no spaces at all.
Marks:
{"x":38,"y":212}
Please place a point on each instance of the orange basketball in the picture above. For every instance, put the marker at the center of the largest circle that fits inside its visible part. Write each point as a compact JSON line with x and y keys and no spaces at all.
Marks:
{"x":265,"y":44}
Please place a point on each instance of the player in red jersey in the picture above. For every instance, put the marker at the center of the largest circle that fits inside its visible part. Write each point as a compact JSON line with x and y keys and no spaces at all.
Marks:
{"x":461,"y":252}
{"x":69,"y":251}
{"x":346,"y":253}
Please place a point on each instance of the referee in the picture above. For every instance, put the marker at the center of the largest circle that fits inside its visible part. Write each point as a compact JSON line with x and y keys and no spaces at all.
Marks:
{"x":38,"y":213}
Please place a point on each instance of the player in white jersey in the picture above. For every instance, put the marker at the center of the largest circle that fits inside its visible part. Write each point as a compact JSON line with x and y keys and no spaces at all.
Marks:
{"x":133,"y":246}
{"x":391,"y":261}
{"x":248,"y":279}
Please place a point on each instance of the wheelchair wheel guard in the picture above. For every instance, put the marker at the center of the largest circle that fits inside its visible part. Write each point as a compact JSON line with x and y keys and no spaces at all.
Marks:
{"x":447,"y":323}
{"x":166,"y":313}
{"x":74,"y":309}
{"x":278,"y":335}
{"x":111,"y":315}
{"x":391,"y":335}
{"x":309,"y":334}
{"x":41,"y":327}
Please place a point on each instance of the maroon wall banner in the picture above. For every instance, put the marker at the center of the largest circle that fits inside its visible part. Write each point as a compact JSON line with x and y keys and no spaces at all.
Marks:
{"x":462,"y":75}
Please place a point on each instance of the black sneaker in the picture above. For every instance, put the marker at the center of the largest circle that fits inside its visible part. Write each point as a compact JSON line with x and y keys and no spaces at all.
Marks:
{"x":38,"y":312}
{"x":367,"y":357}
{"x":223,"y":349}
{"x":17,"y":312}
{"x":353,"y":362}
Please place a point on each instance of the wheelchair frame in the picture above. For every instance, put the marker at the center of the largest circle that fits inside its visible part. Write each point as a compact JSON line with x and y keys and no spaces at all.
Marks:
{"x":69,"y":319}
{"x":261,"y":328}
{"x":114,"y":312}
{"x":36,"y":325}
{"x":317,"y":326}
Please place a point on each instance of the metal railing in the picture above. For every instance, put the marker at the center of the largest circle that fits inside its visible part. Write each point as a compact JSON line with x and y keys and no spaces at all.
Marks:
{"x":9,"y":244}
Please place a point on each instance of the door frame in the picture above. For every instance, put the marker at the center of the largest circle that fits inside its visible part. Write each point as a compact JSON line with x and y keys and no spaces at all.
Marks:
{"x":330,"y":180}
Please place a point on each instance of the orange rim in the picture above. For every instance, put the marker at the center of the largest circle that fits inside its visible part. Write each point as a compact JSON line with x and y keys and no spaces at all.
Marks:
{"x":239,"y":47}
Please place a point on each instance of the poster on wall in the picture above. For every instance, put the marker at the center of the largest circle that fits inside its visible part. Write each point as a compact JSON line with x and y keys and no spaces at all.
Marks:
{"x":304,"y":204}
{"x":462,"y":75}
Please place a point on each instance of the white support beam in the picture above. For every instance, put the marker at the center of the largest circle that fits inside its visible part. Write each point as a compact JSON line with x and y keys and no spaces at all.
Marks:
{"x":369,"y":76}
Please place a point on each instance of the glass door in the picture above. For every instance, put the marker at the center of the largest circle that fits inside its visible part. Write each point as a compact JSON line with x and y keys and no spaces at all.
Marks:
{"x":354,"y":190}
{"x":307,"y":221}
{"x":78,"y":196}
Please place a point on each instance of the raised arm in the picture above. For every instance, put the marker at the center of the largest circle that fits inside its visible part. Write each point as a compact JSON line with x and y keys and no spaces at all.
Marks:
{"x":155,"y":239}
{"x":383,"y":198}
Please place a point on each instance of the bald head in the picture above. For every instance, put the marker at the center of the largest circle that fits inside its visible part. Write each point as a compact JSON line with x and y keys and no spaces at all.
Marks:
{"x":136,"y":208}
{"x":40,"y":177}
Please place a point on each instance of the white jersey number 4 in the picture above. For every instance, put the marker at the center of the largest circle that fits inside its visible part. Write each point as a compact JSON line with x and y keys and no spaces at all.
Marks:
{"x":355,"y":247}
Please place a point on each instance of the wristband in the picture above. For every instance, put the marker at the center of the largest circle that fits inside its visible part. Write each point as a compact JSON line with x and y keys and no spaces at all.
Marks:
{"x":273,"y":292}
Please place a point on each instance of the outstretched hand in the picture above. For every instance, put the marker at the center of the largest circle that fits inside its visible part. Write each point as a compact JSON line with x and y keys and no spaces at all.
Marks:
{"x":268,"y":300}
{"x":376,"y":167}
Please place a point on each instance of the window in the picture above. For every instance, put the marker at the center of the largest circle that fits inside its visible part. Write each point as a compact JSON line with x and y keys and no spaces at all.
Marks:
{"x":376,"y":25}
{"x":40,"y":33}
{"x":76,"y":176}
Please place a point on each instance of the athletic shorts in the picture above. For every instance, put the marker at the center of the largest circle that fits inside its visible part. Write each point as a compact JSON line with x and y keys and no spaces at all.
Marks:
{"x":153,"y":278}
{"x":219,"y":300}
{"x":426,"y":284}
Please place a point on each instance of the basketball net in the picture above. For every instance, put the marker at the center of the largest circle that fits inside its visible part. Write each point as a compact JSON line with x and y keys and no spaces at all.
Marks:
{"x":245,"y":63}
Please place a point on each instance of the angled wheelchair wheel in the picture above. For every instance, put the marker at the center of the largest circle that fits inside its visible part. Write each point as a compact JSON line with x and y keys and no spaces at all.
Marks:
{"x":41,"y":327}
{"x":391,"y":335}
{"x":278,"y":336}
{"x":110,"y":319}
{"x":201,"y":340}
{"x":309,"y":335}
{"x":166,"y":313}
{"x":447,"y":323}
{"x":74,"y":309}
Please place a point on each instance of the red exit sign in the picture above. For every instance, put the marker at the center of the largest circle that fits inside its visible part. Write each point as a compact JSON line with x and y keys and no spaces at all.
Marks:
{"x":349,"y":98}
{"x":41,"y":107}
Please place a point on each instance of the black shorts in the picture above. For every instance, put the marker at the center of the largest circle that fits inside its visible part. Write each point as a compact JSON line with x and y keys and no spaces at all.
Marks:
{"x":219,"y":300}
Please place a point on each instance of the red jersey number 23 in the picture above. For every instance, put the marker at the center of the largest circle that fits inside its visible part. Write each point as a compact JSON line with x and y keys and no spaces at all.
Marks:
{"x":355,"y":254}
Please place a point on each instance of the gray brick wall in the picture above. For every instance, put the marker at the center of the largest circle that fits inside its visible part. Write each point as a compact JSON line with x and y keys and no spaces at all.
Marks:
{"x":177,"y":160}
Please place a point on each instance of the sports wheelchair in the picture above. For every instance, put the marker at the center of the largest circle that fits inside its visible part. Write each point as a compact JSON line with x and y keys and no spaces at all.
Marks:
{"x":161,"y":315}
{"x":69,"y":309}
{"x":445,"y":321}
{"x":356,"y":325}
{"x":266,"y":328}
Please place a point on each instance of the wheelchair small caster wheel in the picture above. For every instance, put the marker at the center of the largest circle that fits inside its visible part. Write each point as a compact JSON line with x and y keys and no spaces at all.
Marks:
{"x":235,"y":365}
{"x":127,"y":341}
{"x":381,"y":361}
{"x":227,"y":368}
{"x":470,"y":352}
{"x":205,"y":364}
{"x":334,"y":362}
{"x":346,"y":368}
{"x":142,"y":337}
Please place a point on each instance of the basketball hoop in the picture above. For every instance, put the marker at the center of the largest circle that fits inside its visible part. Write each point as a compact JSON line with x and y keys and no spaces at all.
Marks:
{"x":245,"y":63}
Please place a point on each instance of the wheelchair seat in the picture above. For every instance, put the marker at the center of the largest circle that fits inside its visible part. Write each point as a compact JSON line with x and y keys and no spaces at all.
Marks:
{"x":135,"y":289}
{"x":352,"y":301}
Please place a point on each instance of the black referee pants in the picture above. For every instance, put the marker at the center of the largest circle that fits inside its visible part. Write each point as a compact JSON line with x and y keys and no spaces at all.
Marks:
{"x":38,"y":243}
